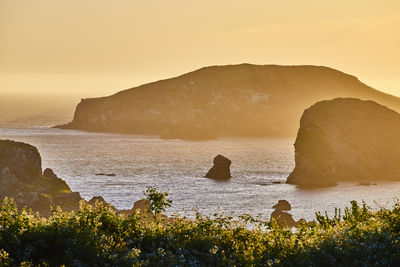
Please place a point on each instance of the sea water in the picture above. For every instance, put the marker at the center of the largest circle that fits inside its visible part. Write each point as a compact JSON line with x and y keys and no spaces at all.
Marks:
{"x":179,"y":167}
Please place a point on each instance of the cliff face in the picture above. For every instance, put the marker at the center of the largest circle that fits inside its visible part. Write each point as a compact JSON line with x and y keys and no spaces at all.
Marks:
{"x":237,"y":100}
{"x":21,"y":178}
{"x":20,"y":160}
{"x":346,"y":139}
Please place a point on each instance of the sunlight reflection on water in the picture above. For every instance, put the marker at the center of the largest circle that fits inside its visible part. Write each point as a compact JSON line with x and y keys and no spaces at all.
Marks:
{"x":179,"y":166}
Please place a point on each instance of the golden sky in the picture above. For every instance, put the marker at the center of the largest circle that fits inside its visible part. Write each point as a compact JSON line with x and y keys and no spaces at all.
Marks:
{"x":98,"y":47}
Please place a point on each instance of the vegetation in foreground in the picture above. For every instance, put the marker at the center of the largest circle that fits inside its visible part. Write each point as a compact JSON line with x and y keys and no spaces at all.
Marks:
{"x":98,"y":236}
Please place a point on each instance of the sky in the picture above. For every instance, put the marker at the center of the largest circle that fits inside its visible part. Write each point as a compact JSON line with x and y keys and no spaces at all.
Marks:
{"x":99,"y":47}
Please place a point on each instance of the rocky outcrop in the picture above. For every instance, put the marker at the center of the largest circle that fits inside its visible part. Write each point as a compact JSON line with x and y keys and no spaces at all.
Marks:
{"x":49,"y":173}
{"x":280,"y":214}
{"x":106,"y":174}
{"x":346,"y":139}
{"x":21,"y":178}
{"x":21,"y":160}
{"x":235,"y":100}
{"x":142,"y":206}
{"x":100,"y":200}
{"x":284,"y":218}
{"x":220,"y":169}
{"x":282,"y":205}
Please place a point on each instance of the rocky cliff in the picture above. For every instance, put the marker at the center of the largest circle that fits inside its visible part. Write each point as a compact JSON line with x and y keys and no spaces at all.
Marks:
{"x":346,"y":139}
{"x":21,"y":178}
{"x":235,"y":100}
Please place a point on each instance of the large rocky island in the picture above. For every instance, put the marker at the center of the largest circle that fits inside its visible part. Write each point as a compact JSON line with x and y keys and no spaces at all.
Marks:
{"x":347,"y":139}
{"x":234,"y":100}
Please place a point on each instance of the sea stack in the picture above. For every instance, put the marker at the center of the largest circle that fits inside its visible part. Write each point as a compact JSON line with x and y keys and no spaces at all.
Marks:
{"x":221,"y":168}
{"x":346,"y":139}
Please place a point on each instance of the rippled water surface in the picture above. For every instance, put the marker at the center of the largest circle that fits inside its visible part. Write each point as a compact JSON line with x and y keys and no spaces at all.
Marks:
{"x":179,"y":166}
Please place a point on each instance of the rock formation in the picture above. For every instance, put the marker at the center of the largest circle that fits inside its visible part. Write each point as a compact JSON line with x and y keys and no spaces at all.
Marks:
{"x":100,"y":200}
{"x":220,"y":169}
{"x":142,"y":205}
{"x":235,"y":100}
{"x":280,"y":214}
{"x":346,"y":139}
{"x":49,"y":173}
{"x":285,"y":218}
{"x":282,"y":205}
{"x":21,"y":178}
{"x":20,"y":160}
{"x":105,"y":174}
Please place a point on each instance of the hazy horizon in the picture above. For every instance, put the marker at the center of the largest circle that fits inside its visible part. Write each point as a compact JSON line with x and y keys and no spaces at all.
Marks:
{"x":47,"y":107}
{"x":97,"y":48}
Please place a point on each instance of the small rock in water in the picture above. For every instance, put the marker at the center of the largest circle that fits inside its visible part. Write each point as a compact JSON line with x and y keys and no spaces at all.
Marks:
{"x":105,"y":174}
{"x":221,"y":168}
{"x":364,"y":183}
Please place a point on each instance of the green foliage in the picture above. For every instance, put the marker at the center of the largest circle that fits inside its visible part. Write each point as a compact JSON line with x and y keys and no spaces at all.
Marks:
{"x":98,"y":236}
{"x":158,"y":200}
{"x":4,"y":258}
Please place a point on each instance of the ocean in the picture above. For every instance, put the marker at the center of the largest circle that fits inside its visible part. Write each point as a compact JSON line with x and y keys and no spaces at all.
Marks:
{"x":179,"y":167}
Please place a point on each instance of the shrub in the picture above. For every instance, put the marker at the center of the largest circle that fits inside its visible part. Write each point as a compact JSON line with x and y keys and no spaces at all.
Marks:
{"x":158,"y":200}
{"x":98,"y":236}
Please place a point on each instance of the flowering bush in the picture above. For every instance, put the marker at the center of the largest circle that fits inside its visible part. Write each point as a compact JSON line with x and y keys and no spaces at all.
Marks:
{"x":158,"y":200}
{"x":98,"y":236}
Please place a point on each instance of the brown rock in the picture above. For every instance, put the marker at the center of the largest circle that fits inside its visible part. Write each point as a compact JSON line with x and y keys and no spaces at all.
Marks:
{"x":282,"y":205}
{"x":346,"y":139}
{"x":21,"y":160}
{"x":21,"y":178}
{"x":100,"y":199}
{"x":283,"y":217}
{"x":142,"y":205}
{"x":49,"y":173}
{"x":221,"y":168}
{"x":7,"y":181}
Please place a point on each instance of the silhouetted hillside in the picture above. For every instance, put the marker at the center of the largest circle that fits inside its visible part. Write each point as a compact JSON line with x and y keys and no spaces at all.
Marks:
{"x":234,"y":100}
